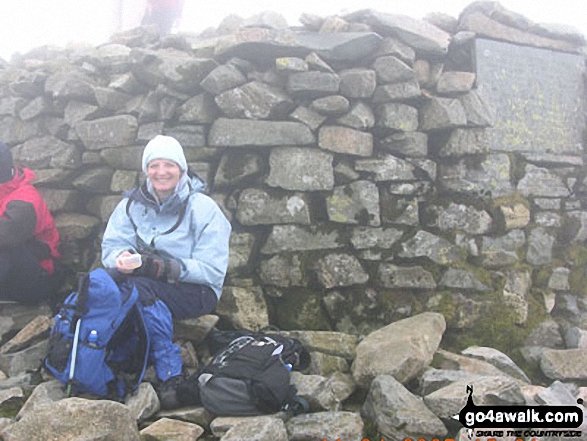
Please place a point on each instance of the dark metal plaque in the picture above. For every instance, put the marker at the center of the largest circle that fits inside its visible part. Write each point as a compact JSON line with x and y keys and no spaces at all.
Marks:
{"x":538,"y":96}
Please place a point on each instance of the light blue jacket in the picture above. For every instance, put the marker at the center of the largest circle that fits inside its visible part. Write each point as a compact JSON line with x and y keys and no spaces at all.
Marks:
{"x":200,"y":241}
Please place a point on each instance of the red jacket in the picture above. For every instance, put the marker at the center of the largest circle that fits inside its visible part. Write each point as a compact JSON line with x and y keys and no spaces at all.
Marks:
{"x":24,"y":217}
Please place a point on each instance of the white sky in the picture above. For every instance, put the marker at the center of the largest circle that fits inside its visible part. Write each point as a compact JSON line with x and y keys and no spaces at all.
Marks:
{"x":26,"y":24}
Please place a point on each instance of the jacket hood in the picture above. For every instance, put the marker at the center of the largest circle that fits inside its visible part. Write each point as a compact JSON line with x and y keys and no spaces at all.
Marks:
{"x":21,"y":177}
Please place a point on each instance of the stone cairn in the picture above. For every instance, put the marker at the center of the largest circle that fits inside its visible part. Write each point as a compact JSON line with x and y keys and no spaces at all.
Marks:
{"x":371,"y":218}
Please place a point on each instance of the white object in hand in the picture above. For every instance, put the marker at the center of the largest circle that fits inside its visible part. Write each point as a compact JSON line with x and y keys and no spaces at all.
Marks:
{"x":131,"y":261}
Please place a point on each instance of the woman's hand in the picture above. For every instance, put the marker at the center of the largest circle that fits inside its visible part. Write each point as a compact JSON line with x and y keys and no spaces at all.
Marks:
{"x":127,"y":262}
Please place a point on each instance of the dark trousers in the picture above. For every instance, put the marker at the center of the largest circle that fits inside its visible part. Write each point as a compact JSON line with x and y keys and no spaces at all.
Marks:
{"x":21,"y":276}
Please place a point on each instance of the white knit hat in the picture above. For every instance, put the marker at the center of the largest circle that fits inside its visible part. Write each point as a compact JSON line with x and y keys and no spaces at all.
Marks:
{"x":164,"y":147}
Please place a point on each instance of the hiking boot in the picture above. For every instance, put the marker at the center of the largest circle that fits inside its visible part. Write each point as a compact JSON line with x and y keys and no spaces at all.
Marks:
{"x":167,"y":393}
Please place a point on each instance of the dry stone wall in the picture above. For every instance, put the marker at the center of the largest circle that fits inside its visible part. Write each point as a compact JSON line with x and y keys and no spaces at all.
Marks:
{"x":354,"y":157}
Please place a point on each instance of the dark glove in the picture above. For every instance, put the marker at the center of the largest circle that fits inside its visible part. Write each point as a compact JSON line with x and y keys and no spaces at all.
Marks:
{"x":158,"y":268}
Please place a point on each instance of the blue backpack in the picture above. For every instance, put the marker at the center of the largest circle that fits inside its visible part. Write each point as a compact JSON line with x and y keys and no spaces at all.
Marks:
{"x":98,"y":343}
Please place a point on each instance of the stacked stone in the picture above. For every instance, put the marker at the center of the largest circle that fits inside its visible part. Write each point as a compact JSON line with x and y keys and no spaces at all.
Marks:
{"x":352,"y":158}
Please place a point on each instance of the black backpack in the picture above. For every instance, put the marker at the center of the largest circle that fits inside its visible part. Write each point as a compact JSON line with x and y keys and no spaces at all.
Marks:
{"x":251,"y":376}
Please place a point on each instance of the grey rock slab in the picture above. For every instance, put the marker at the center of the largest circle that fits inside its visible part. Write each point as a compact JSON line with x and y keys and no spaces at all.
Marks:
{"x":303,"y":169}
{"x":331,"y":105}
{"x":312,"y":84}
{"x":345,"y":140}
{"x":405,"y":91}
{"x":497,"y":359}
{"x":413,"y":144}
{"x":76,"y":226}
{"x":243,"y":307}
{"x":342,"y":46}
{"x":441,"y":114}
{"x":516,"y":293}
{"x":559,"y":279}
{"x":283,"y":271}
{"x":368,"y":237}
{"x":413,"y":277}
{"x":73,"y":419}
{"x":240,"y":133}
{"x":340,"y":269}
{"x":397,"y":117}
{"x":66,"y":85}
{"x":309,"y":117}
{"x":254,"y":100}
{"x":200,"y":109}
{"x":487,"y":390}
{"x":453,"y":83}
{"x":143,"y":403}
{"x":360,"y":117}
{"x":29,"y":359}
{"x":433,"y":379}
{"x":222,"y":78}
{"x":502,"y":250}
{"x":257,"y":430}
{"x":357,"y":82}
{"x":540,"y":247}
{"x":489,"y":177}
{"x":541,"y":182}
{"x":485,"y":26}
{"x":419,"y":34}
{"x":478,"y":109}
{"x":355,"y":203}
{"x":329,"y":425}
{"x":437,"y":249}
{"x":291,"y":64}
{"x":463,"y":280}
{"x":465,"y":142}
{"x":297,"y":238}
{"x":519,"y":82}
{"x":34,"y":331}
{"x":388,"y":168}
{"x":48,"y":151}
{"x":401,"y":349}
{"x":397,"y":413}
{"x":44,"y":394}
{"x":257,"y":207}
{"x":564,"y":364}
{"x":167,"y":428}
{"x":315,"y":389}
{"x":109,"y":132}
{"x":459,"y":217}
{"x":390,"y":69}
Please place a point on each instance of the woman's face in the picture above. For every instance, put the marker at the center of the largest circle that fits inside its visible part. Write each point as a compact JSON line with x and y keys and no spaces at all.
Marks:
{"x":164,"y":176}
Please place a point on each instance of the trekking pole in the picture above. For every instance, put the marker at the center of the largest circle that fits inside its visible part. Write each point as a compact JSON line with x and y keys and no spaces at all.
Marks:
{"x":73,"y":357}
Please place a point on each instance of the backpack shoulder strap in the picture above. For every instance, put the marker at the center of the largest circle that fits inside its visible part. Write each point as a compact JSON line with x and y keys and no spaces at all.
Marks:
{"x":83,"y":284}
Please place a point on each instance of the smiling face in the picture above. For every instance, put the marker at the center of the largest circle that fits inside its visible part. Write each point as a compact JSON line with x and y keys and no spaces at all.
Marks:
{"x":164,"y":176}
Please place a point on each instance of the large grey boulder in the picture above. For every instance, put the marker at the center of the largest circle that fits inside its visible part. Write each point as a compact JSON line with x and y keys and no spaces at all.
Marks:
{"x":397,"y":413}
{"x":402,"y":349}
{"x":74,"y":419}
{"x":487,"y":390}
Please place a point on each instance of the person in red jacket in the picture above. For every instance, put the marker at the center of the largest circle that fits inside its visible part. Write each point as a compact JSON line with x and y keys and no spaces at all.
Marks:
{"x":28,"y":238}
{"x":163,"y":13}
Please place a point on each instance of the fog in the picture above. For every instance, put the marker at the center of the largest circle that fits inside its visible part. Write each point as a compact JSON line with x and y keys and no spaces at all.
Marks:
{"x":26,"y":24}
